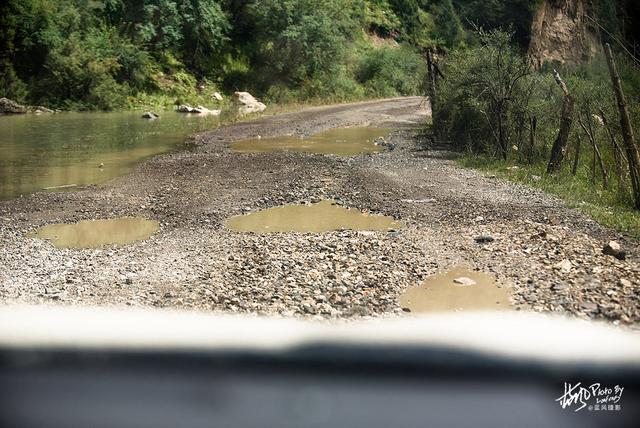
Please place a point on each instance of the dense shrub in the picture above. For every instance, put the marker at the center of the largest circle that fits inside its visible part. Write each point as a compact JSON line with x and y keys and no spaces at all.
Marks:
{"x":491,"y":84}
{"x":391,"y":71}
{"x":485,"y":101}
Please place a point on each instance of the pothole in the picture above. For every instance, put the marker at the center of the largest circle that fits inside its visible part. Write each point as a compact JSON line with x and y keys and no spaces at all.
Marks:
{"x":323,"y":216}
{"x":459,"y":289}
{"x":338,"y":141}
{"x":98,"y":233}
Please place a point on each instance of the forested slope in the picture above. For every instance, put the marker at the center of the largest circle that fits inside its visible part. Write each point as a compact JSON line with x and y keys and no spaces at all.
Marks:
{"x":85,"y":54}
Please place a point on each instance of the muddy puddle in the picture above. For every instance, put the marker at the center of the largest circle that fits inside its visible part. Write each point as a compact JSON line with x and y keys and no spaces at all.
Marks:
{"x":98,"y":233}
{"x":324,"y":216}
{"x":459,"y":289}
{"x":339,"y":141}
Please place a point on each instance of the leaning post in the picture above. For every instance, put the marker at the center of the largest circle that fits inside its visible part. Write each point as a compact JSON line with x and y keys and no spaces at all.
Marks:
{"x":627,"y":131}
{"x":566,"y":118}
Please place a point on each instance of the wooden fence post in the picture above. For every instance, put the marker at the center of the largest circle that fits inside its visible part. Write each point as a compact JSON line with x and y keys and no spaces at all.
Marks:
{"x":576,"y":157}
{"x":633,"y":158}
{"x":560,"y":145}
{"x":431,"y":92}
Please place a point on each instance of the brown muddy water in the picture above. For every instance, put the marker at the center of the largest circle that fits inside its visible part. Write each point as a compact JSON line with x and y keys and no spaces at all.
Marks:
{"x":338,"y":141}
{"x":98,"y":233}
{"x":65,"y":150}
{"x":459,"y":289}
{"x":324,"y":216}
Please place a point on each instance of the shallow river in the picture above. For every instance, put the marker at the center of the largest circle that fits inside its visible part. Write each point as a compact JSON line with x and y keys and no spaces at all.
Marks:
{"x":43,"y":152}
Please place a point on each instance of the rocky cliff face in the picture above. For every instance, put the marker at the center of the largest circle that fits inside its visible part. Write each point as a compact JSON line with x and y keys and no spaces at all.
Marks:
{"x":561,"y":32}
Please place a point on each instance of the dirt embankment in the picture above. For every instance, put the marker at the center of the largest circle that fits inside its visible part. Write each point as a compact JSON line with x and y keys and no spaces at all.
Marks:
{"x":547,"y":255}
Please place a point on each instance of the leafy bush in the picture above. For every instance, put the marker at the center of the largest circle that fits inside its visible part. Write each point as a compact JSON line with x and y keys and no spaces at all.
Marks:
{"x":486,"y":95}
{"x":390,"y":71}
{"x":81,"y":71}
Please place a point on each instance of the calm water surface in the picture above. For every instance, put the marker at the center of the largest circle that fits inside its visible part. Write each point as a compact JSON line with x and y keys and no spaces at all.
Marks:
{"x":337,"y":141}
{"x":324,"y":216}
{"x":459,"y":289}
{"x":43,"y":152}
{"x":98,"y":233}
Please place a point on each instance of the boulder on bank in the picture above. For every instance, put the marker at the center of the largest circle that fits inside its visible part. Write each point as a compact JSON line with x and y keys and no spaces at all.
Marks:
{"x":247,"y":103}
{"x":150,"y":115}
{"x":40,"y":110}
{"x":184,"y":108}
{"x":8,"y":106}
{"x":204,"y":110}
{"x":217,"y":96}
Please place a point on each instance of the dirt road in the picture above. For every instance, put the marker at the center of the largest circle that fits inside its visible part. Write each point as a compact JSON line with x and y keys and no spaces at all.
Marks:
{"x":192,"y":261}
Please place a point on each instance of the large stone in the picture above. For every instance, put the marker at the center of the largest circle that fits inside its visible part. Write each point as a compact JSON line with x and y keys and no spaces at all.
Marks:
{"x":8,"y":106}
{"x":150,"y":115}
{"x":183,"y":108}
{"x":41,"y":109}
{"x":217,"y":96}
{"x":612,"y":248}
{"x":205,"y":111}
{"x":247,"y":104}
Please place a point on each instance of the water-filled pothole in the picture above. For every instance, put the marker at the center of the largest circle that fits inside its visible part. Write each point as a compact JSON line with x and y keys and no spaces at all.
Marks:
{"x":339,"y":141}
{"x":98,"y":233}
{"x":459,"y":289}
{"x":324,"y":216}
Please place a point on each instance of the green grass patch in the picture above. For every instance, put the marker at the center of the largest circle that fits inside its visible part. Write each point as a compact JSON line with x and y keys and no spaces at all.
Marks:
{"x":609,"y":207}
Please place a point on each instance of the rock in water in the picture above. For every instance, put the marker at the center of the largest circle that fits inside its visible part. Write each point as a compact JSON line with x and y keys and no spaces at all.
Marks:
{"x":183,"y":108}
{"x":150,"y":115}
{"x":464,"y":281}
{"x":8,"y":106}
{"x":41,"y":109}
{"x":205,"y":111}
{"x":247,"y":103}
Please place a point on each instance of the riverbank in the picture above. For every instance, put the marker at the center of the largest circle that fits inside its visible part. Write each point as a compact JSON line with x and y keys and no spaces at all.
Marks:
{"x":547,"y":255}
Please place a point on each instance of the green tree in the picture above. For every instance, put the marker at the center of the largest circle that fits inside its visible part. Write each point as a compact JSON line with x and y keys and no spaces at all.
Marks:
{"x":447,"y":23}
{"x":10,"y":84}
{"x":297,"y":39}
